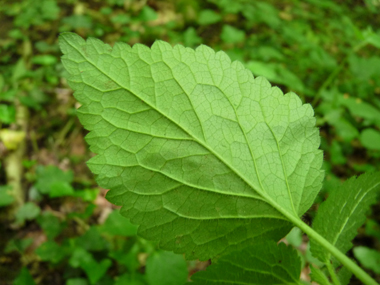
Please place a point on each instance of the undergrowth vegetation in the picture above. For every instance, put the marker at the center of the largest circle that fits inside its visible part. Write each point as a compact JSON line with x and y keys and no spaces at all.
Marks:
{"x":57,"y":227}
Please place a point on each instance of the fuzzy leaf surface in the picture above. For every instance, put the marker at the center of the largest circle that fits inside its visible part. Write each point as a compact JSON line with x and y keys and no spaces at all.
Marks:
{"x":266,"y":263}
{"x":202,"y":155}
{"x":339,"y":217}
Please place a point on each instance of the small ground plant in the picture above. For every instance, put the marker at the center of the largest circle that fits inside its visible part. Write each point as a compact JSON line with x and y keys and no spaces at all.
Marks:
{"x":212,"y":162}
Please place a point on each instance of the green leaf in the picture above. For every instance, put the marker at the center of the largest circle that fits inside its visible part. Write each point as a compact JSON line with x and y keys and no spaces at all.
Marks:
{"x":319,"y":276}
{"x":294,"y":237}
{"x":201,"y":155}
{"x":2,"y":83}
{"x":28,"y":211}
{"x":262,"y":12}
{"x":19,"y":245}
{"x":87,"y":195}
{"x":46,"y":59}
{"x":126,"y":254}
{"x":147,"y":14}
{"x":336,"y":152}
{"x":78,"y":22}
{"x":310,"y":258}
{"x":166,"y":268}
{"x":19,"y":70}
{"x":76,"y":281}
{"x":7,"y":114}
{"x":268,"y":70}
{"x":24,"y":278}
{"x":51,"y":224}
{"x":369,"y":258}
{"x":94,"y":270}
{"x":370,"y":36}
{"x":344,"y":275}
{"x":339,"y":217}
{"x":116,"y":224}
{"x":372,"y":228}
{"x":91,"y":240}
{"x":364,"y":68}
{"x":52,"y":180}
{"x":370,"y":138}
{"x":85,"y":214}
{"x":208,"y":17}
{"x":361,"y":109}
{"x":51,"y":251}
{"x":276,"y":73}
{"x":232,"y":35}
{"x":343,"y":127}
{"x":5,"y":198}
{"x":191,"y":38}
{"x":61,"y":189}
{"x":135,"y":279}
{"x":266,"y":263}
{"x":229,"y":6}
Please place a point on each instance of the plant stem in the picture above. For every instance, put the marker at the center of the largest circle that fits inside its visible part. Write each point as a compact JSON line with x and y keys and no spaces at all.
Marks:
{"x":13,"y":164}
{"x":332,"y":273}
{"x":352,"y":266}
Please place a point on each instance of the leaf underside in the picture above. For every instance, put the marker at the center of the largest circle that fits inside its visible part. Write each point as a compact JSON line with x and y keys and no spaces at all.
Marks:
{"x":266,"y":263}
{"x":205,"y":158}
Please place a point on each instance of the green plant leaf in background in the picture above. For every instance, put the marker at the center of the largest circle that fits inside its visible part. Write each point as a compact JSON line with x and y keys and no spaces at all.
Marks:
{"x":94,"y":270}
{"x":208,"y":17}
{"x":266,"y":263}
{"x":348,"y":205}
{"x":76,"y":281}
{"x":232,"y":35}
{"x":51,"y":224}
{"x":135,"y":279}
{"x":116,"y":224}
{"x":28,"y":211}
{"x":18,"y":245}
{"x":191,"y":38}
{"x":344,"y":275}
{"x":44,"y":59}
{"x":53,"y":181}
{"x":147,"y":14}
{"x":201,"y":155}
{"x":319,"y":276}
{"x":5,"y":198}
{"x":276,"y":73}
{"x":91,"y":240}
{"x":166,"y":268}
{"x":372,"y":228}
{"x":370,"y":258}
{"x":294,"y":237}
{"x":370,"y":138}
{"x":51,"y":251}
{"x":24,"y":278}
{"x":7,"y":114}
{"x":362,"y":109}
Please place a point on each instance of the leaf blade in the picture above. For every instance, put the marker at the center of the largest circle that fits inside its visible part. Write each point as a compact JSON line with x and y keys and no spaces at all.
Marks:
{"x":266,"y":263}
{"x":347,"y":205}
{"x":186,"y":137}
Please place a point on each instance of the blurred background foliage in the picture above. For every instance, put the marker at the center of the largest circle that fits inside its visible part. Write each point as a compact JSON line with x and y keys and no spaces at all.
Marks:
{"x":56,"y":226}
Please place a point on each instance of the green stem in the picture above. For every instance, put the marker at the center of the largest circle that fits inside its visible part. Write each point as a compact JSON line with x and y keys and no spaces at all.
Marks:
{"x":332,"y":273}
{"x":352,"y":266}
